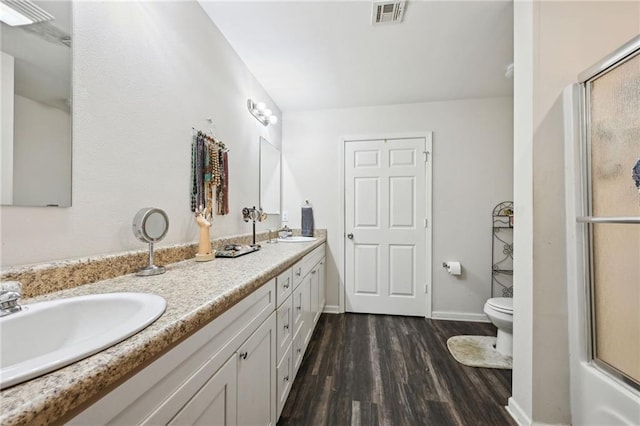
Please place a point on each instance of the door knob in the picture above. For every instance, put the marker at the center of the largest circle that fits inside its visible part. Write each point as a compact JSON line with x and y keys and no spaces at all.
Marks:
{"x":350,"y":236}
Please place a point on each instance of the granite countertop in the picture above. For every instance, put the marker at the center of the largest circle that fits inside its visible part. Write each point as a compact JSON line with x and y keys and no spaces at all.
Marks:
{"x":196,"y":293}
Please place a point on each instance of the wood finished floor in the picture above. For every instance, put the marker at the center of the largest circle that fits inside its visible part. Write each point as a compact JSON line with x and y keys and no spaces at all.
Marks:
{"x":385,"y":370}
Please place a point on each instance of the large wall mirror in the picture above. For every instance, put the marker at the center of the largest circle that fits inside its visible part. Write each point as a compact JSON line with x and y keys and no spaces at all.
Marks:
{"x":269,"y":177}
{"x":36,"y":103}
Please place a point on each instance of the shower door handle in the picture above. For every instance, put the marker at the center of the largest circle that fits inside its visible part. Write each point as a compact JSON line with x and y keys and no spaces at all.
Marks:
{"x":616,"y":219}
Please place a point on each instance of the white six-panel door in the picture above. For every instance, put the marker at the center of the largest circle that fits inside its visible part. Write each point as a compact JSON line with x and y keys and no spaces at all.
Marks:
{"x":385,"y":236}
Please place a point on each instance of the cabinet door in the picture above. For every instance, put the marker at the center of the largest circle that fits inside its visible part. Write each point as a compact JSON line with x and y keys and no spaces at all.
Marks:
{"x":285,"y":378}
{"x":284,"y":326}
{"x":297,"y":311}
{"x":322,"y":285}
{"x":298,"y":349}
{"x":307,"y":315}
{"x":257,"y":376}
{"x":215,"y":403}
{"x":314,"y":284}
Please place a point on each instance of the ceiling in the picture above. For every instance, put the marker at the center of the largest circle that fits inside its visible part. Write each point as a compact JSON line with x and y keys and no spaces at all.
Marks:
{"x":326,"y":54}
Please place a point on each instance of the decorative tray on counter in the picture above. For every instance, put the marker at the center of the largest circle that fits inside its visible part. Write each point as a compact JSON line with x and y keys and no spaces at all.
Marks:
{"x":236,"y":250}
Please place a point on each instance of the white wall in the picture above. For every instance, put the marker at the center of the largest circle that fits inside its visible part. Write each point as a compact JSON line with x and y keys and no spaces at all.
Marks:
{"x":472,"y":172}
{"x":144,"y":74}
{"x":6,"y":132}
{"x":555,"y":41}
{"x":520,"y":404}
{"x":44,"y":133}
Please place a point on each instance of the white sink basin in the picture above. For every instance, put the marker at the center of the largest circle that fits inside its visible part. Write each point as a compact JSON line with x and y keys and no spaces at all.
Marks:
{"x":49,"y":335}
{"x":297,"y":239}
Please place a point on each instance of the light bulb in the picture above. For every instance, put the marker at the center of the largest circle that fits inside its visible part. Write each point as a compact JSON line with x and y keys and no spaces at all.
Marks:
{"x":12,"y":17}
{"x":273,"y":119}
{"x":261,"y":106}
{"x":267,"y":112}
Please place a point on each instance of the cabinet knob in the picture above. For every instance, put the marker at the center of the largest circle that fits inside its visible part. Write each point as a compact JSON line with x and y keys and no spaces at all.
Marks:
{"x":350,"y":236}
{"x":299,"y":308}
{"x":299,"y":350}
{"x":286,"y":285}
{"x":314,"y":271}
{"x":286,"y":378}
{"x":243,"y":355}
{"x":286,"y":326}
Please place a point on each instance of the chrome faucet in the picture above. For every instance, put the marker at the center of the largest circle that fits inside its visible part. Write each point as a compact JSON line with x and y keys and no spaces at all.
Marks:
{"x":10,"y":292}
{"x":285,"y":232}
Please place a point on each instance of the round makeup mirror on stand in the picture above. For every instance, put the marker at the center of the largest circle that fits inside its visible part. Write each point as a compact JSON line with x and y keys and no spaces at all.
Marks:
{"x":150,"y":225}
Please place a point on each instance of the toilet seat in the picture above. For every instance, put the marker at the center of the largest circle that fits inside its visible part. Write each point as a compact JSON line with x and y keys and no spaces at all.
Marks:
{"x":501,"y":304}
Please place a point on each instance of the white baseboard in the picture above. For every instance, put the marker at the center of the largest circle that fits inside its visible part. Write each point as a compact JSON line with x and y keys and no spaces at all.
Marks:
{"x":522,"y":418}
{"x":331,"y":309}
{"x":517,"y":413}
{"x":458,"y":316}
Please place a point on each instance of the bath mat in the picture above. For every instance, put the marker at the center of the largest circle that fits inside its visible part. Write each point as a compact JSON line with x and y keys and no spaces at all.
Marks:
{"x":477,"y":351}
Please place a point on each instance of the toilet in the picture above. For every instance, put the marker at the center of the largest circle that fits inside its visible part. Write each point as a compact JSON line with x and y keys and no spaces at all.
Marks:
{"x":500,"y":312}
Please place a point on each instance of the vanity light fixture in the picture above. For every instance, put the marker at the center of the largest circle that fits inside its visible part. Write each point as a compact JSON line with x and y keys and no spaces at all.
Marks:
{"x":260,"y":111}
{"x":22,"y":12}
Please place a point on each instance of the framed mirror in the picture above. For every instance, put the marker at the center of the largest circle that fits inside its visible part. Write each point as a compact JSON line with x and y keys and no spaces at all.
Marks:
{"x":36,"y":138}
{"x":269,"y":177}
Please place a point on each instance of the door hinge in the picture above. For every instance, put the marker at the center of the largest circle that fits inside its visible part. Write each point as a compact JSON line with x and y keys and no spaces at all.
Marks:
{"x":426,"y":223}
{"x":426,"y":156}
{"x":426,"y":288}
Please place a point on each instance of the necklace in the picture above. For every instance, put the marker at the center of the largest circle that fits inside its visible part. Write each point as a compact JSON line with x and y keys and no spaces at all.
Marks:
{"x":193,"y":175}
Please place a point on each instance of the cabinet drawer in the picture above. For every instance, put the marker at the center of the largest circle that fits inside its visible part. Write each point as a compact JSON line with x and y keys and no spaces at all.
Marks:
{"x":284,"y":326}
{"x":284,"y":378}
{"x":284,"y":286}
{"x":297,"y":273}
{"x":304,"y":266}
{"x":315,"y":256}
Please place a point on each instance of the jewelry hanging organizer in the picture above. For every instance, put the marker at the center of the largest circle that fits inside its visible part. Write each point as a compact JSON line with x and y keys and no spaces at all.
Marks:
{"x":209,"y":175}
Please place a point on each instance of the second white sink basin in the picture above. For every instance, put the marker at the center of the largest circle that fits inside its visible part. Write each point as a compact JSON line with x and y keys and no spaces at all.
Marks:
{"x":49,"y":335}
{"x":296,"y":239}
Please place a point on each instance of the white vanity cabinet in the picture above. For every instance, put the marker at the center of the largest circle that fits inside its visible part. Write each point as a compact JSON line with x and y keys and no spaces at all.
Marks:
{"x":223,"y":374}
{"x":297,"y":317}
{"x":236,"y":370}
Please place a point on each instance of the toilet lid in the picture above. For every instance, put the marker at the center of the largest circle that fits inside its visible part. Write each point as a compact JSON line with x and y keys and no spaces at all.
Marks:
{"x":501,"y":304}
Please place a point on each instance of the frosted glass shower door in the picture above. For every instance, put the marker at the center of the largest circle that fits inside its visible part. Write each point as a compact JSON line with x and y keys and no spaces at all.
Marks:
{"x":613,"y":183}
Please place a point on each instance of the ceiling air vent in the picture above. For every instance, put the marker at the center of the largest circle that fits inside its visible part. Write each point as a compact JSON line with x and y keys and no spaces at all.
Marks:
{"x":385,"y":12}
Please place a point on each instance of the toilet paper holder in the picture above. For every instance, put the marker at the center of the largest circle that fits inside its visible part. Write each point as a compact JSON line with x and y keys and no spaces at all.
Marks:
{"x":453,"y":267}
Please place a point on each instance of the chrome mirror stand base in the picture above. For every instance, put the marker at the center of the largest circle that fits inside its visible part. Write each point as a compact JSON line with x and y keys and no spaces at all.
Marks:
{"x":151,"y":270}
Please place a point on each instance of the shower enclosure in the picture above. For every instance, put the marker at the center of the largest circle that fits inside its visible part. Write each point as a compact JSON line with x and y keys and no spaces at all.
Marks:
{"x":602,"y":154}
